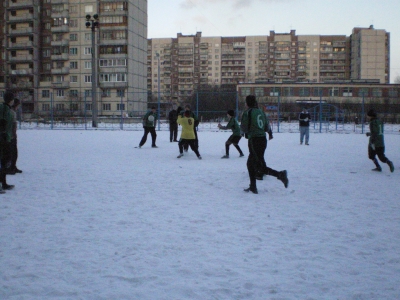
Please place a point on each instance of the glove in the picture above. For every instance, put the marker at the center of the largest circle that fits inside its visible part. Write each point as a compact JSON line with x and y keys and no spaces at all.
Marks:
{"x":368,"y":134}
{"x":270,"y":136}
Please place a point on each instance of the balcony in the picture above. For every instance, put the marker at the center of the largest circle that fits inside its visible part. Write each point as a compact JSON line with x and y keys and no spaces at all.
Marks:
{"x":113,"y":84}
{"x":64,"y":70}
{"x":22,"y":85}
{"x":60,"y":85}
{"x":20,"y":18}
{"x":20,"y":58}
{"x":21,"y":45}
{"x":62,"y":28}
{"x":21,"y":31}
{"x":20,"y":4}
{"x":22,"y":72}
{"x":60,"y":14}
{"x":60,"y":43}
{"x":62,"y":56}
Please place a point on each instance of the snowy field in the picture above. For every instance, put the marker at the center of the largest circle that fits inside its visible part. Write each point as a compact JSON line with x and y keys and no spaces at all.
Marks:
{"x":91,"y":217}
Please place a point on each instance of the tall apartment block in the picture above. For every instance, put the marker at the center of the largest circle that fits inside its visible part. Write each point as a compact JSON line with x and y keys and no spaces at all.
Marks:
{"x":46,"y":55}
{"x":191,"y":62}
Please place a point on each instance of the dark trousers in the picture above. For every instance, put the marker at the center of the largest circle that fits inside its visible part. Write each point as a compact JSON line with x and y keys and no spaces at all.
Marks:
{"x":196,"y":141}
{"x":256,"y":164}
{"x":235,"y":141}
{"x":186,"y":143}
{"x":13,"y":153}
{"x":5,"y":161}
{"x":173,"y":131}
{"x":153,"y":133}
{"x":378,"y":151}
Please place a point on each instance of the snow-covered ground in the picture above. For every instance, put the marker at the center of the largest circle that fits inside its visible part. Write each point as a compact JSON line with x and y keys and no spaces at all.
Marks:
{"x":91,"y":217}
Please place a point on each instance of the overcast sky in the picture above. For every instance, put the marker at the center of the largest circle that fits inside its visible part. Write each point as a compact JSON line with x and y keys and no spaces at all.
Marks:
{"x":258,"y":17}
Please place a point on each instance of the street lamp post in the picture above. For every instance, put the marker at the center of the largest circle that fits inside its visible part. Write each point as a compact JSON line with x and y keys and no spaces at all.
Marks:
{"x":158,"y":89}
{"x":92,"y":23}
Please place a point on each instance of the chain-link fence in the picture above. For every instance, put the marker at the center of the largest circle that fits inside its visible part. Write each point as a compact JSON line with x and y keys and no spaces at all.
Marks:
{"x":124,"y":111}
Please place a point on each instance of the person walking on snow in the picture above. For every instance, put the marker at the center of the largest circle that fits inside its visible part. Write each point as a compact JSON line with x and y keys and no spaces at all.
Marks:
{"x":304,"y":126}
{"x":235,"y":137}
{"x":254,"y":124}
{"x":173,"y":126}
{"x":376,"y":145}
{"x":149,"y":125}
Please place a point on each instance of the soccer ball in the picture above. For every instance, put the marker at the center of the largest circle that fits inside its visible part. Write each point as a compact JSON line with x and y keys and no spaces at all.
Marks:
{"x":151,"y":118}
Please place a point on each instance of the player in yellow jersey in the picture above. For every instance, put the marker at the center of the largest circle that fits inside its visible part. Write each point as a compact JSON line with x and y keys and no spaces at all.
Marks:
{"x":187,"y":134}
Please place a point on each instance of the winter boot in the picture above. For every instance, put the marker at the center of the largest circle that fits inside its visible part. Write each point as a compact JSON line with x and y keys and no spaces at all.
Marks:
{"x":282,"y":176}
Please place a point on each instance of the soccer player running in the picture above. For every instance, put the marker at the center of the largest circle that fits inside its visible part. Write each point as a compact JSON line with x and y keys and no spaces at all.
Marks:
{"x":187,"y":134}
{"x":376,"y":145}
{"x":235,"y":137}
{"x":254,"y":124}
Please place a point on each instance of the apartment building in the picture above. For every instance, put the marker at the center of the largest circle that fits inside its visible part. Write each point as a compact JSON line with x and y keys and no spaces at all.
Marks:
{"x":46,"y":55}
{"x":189,"y":63}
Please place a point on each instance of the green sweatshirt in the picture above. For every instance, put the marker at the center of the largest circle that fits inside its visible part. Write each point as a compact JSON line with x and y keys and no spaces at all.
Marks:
{"x":376,"y":129}
{"x":233,"y":125}
{"x":254,"y":122}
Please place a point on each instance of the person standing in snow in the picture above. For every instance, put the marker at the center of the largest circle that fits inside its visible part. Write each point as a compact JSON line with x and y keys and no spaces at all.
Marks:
{"x":254,"y":124}
{"x":6,"y":127}
{"x":304,"y":125}
{"x":14,"y":144}
{"x":376,"y":145}
{"x":173,"y":126}
{"x":235,"y":137}
{"x":149,"y":125}
{"x":187,"y":134}
{"x":196,"y":123}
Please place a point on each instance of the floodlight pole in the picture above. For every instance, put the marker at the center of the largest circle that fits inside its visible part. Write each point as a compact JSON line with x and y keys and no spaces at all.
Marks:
{"x":158,"y":89}
{"x":92,"y":23}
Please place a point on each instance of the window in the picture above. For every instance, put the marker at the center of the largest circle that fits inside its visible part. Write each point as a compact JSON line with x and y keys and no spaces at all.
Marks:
{"x":73,"y":37}
{"x":334,"y":92}
{"x":46,"y":53}
{"x":73,"y":51}
{"x":106,"y":93}
{"x":87,"y":51}
{"x":106,"y":106}
{"x":60,"y":93}
{"x":259,"y":92}
{"x":245,"y":91}
{"x":88,"y":36}
{"x":288,"y":92}
{"x":73,"y":78}
{"x":274,"y":91}
{"x":363,"y":92}
{"x":120,"y":93}
{"x":88,"y":93}
{"x":347,"y":92}
{"x":46,"y":107}
{"x":88,"y":78}
{"x":60,"y":106}
{"x":88,"y":64}
{"x":73,"y":106}
{"x":304,"y":92}
{"x":73,"y":23}
{"x":376,"y":92}
{"x":88,"y":8}
{"x":317,"y":92}
{"x":73,"y":65}
{"x":73,"y":93}
{"x":88,"y":106}
{"x":120,"y":106}
{"x":45,"y":93}
{"x":393,"y":93}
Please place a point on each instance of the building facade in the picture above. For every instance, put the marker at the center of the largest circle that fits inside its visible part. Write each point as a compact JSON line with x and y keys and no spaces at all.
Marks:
{"x":189,"y":63}
{"x":46,"y":55}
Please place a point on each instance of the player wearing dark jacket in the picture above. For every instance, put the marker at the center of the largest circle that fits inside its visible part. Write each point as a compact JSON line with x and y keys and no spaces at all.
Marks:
{"x":235,"y":137}
{"x":254,"y":124}
{"x":376,"y":145}
{"x":304,"y":126}
{"x":149,"y":125}
{"x":173,"y":125}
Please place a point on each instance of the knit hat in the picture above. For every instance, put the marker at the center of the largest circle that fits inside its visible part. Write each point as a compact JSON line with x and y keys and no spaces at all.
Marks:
{"x":371,"y":113}
{"x":231,"y":112}
{"x":8,"y":97}
{"x":251,"y":101}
